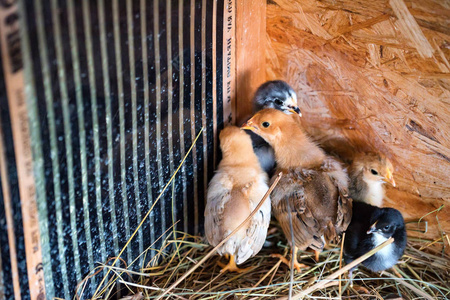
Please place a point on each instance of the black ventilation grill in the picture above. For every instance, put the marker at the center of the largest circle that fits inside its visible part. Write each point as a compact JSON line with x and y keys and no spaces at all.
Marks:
{"x":100,"y":101}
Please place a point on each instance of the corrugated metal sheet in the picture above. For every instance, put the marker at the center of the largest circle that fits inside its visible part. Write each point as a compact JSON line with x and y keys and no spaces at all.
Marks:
{"x":114,"y":94}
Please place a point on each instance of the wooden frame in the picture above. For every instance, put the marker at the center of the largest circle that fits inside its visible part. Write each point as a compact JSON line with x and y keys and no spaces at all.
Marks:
{"x":250,"y":53}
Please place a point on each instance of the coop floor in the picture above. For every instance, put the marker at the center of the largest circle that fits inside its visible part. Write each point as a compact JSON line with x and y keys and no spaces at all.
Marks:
{"x":422,"y":273}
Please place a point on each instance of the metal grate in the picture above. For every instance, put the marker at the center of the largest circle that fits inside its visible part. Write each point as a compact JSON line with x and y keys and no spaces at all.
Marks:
{"x":114,"y":94}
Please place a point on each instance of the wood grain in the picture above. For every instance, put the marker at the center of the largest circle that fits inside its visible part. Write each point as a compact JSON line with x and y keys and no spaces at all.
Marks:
{"x":367,"y":82}
{"x":250,"y":53}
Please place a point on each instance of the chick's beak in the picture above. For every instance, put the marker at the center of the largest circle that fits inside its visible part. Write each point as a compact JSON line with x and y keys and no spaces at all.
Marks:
{"x":291,"y":103}
{"x":295,"y":110}
{"x":389,"y":178}
{"x":373,"y":228}
{"x":249,"y":126}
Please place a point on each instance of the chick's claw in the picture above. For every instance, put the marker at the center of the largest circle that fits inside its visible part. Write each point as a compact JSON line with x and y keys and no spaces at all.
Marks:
{"x":232,"y":267}
{"x":298,"y":266}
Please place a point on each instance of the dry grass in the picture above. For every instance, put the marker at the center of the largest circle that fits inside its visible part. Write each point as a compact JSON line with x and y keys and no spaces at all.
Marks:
{"x":185,"y":268}
{"x":422,"y":273}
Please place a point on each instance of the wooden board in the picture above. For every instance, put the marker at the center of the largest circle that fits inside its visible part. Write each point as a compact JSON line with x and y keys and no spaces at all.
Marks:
{"x":250,"y":49}
{"x":375,"y":77}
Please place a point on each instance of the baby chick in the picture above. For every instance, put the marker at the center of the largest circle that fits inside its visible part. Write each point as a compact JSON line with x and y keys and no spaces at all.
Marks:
{"x":233,"y":193}
{"x":276,"y":94}
{"x":272,"y":94}
{"x":368,"y":173}
{"x":313,"y":189}
{"x":371,"y":226}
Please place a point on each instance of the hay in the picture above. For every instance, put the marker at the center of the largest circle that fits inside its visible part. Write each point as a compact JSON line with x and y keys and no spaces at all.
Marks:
{"x":423,"y":273}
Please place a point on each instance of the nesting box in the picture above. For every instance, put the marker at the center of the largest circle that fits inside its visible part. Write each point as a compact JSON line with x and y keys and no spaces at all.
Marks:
{"x":110,"y":112}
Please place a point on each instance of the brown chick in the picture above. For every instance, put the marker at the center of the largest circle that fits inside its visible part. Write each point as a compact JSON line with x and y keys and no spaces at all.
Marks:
{"x":313,"y":189}
{"x":237,"y":187}
{"x":368,"y":174}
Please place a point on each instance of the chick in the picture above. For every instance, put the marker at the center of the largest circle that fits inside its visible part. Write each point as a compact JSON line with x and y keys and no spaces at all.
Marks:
{"x":313,"y":189}
{"x":235,"y":190}
{"x":276,"y":94}
{"x":371,"y":226}
{"x":368,"y":173}
{"x":272,"y":94}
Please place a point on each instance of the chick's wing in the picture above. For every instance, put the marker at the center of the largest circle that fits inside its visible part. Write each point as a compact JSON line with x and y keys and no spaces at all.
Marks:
{"x":219,"y":194}
{"x":256,"y":228}
{"x":290,"y":201}
{"x":338,"y":175}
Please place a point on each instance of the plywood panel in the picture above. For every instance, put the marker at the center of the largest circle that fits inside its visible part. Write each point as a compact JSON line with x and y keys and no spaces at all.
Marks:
{"x":372,"y":76}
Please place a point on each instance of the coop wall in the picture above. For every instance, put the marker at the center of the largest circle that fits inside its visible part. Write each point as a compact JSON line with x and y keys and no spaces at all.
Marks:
{"x":373,"y":76}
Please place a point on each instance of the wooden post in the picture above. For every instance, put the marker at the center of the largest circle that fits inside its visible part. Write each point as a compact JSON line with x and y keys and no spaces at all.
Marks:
{"x":250,"y":53}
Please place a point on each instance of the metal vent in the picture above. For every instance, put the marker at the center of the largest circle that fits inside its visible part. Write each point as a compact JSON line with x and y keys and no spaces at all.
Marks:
{"x":100,"y":101}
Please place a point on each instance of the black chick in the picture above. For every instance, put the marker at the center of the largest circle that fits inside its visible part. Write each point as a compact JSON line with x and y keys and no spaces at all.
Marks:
{"x":371,"y":226}
{"x":271,"y":94}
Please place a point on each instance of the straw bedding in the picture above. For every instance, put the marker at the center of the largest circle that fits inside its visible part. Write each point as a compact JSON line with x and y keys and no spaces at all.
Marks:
{"x":422,"y":273}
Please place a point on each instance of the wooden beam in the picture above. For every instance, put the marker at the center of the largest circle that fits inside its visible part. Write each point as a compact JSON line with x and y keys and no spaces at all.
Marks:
{"x":250,"y":53}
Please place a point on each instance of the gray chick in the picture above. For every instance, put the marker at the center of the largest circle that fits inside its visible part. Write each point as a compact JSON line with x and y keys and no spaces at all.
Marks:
{"x":276,"y":94}
{"x":271,"y":94}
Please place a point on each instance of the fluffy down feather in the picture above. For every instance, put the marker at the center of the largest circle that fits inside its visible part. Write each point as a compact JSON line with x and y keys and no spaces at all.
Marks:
{"x":233,"y":193}
{"x":368,"y":174}
{"x":314,"y":188}
{"x":276,"y":94}
{"x":371,"y":226}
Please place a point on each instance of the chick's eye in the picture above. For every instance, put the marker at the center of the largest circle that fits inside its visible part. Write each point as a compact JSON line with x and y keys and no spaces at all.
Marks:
{"x":374,"y":172}
{"x":386,"y":228}
{"x":265,"y":124}
{"x":278,"y":101}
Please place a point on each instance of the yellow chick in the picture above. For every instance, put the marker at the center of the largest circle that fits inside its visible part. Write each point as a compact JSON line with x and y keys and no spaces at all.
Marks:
{"x":237,"y":187}
{"x":368,"y":174}
{"x":313,"y":189}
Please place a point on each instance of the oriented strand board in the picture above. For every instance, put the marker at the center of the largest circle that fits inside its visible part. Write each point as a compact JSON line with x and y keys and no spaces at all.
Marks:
{"x":373,"y":75}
